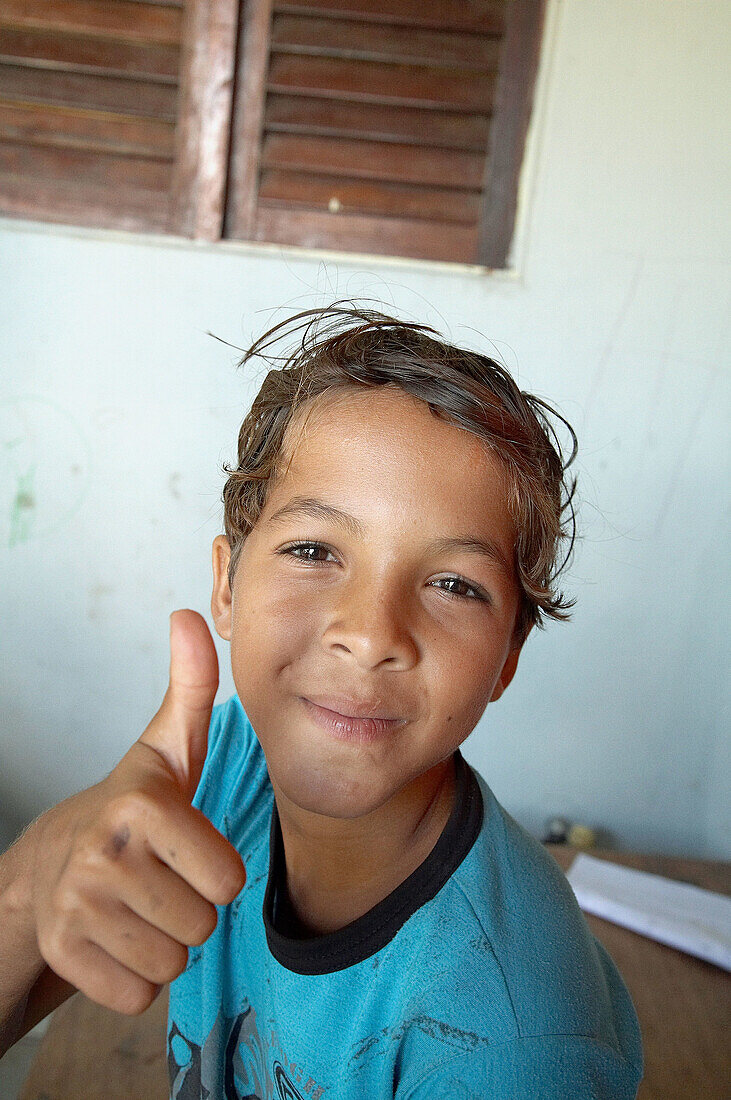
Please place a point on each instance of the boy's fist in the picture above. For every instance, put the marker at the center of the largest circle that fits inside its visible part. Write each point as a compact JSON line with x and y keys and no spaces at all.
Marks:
{"x":127,"y":873}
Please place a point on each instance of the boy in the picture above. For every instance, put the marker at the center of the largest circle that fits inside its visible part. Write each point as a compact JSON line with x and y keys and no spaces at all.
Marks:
{"x":384,"y":928}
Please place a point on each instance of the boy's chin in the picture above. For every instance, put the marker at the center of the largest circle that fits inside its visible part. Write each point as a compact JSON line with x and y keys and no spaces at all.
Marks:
{"x":327,"y":787}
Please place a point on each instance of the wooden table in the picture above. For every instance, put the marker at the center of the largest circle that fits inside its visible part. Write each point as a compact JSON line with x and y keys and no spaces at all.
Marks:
{"x":683,"y":1003}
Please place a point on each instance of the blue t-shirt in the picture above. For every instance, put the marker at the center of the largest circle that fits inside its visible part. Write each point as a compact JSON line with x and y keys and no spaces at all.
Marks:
{"x":478,"y":977}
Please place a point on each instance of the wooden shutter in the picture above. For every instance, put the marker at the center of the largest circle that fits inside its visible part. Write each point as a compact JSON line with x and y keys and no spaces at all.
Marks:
{"x":116,"y":113}
{"x":393,"y":127}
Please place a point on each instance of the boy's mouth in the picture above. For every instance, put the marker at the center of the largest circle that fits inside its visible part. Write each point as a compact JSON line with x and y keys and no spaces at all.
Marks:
{"x":347,"y":707}
{"x":348,"y":728}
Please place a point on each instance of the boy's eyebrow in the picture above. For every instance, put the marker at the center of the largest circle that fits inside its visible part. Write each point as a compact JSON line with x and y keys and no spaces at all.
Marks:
{"x":318,"y":509}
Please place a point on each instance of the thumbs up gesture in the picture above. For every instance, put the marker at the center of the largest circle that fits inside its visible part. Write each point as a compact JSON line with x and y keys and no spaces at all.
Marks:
{"x":179,"y":730}
{"x":127,"y":873}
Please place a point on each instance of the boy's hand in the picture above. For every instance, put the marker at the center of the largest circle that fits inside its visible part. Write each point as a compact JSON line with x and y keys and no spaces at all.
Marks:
{"x":126,"y":873}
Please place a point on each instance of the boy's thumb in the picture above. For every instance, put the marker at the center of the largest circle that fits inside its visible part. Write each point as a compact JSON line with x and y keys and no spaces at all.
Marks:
{"x":179,"y":730}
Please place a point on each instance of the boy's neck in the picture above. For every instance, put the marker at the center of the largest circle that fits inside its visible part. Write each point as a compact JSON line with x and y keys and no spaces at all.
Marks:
{"x":330,"y":884}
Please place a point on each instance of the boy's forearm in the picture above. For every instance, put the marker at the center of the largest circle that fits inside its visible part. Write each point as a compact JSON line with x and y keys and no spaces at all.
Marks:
{"x":28,"y":988}
{"x":46,"y":994}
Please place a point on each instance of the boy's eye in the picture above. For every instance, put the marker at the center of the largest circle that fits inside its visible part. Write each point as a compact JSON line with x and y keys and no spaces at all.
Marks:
{"x":303,"y":546}
{"x":464,"y":584}
{"x":460,"y":581}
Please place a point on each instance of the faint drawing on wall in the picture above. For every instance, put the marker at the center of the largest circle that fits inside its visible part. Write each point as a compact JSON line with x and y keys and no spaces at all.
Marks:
{"x":45,"y":462}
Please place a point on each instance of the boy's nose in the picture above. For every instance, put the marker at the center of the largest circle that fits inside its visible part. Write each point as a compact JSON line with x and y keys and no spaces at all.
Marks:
{"x":373,"y":627}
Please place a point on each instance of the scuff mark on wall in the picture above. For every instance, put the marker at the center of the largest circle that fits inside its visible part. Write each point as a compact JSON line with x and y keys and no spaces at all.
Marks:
{"x":174,"y":485}
{"x":96,"y":594}
{"x":22,"y":512}
{"x":44,"y":468}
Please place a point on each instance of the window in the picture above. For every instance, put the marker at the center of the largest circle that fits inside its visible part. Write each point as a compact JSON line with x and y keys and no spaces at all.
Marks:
{"x":393,"y":127}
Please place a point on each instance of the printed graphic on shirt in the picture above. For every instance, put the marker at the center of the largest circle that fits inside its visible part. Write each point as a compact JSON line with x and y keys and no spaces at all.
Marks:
{"x":235,"y":1049}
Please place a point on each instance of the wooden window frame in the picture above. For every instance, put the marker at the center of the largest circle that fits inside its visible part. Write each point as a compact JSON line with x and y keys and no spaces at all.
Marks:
{"x":213,"y":193}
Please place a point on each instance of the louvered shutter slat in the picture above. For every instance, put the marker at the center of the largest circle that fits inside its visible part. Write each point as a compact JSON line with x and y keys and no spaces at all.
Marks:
{"x":59,"y":200}
{"x":127,"y":20}
{"x":405,"y":236}
{"x":378,"y":82}
{"x":84,"y":53}
{"x":60,"y":126}
{"x":374,"y":160}
{"x":335,"y":118}
{"x":103,"y":93}
{"x":359,"y":196}
{"x":37,"y":161}
{"x":476,"y":16}
{"x":405,"y":45}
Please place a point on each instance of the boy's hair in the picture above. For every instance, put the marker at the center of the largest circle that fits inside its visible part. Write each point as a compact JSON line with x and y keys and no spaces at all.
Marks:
{"x":347,"y":349}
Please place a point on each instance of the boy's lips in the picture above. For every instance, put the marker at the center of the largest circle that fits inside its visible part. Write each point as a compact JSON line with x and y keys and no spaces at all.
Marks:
{"x":348,"y":707}
{"x":348,"y":728}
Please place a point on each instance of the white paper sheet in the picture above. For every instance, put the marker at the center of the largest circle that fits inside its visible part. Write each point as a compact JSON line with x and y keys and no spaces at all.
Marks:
{"x":676,"y":913}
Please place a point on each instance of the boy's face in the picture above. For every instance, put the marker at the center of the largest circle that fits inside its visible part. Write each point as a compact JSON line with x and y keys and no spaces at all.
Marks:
{"x":372,"y":615}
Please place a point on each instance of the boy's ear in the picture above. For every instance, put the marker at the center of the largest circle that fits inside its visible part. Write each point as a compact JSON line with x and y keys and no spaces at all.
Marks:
{"x":221,"y":598}
{"x":508,"y":670}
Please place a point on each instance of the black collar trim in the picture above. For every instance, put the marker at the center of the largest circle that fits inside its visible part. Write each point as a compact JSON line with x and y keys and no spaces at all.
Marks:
{"x":333,"y":951}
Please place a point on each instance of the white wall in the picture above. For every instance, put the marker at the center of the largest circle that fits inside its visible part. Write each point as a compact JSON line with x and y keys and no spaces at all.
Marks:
{"x":117,"y":410}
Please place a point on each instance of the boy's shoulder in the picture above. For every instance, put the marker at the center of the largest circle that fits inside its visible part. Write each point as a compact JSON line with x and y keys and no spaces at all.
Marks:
{"x":519,"y":949}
